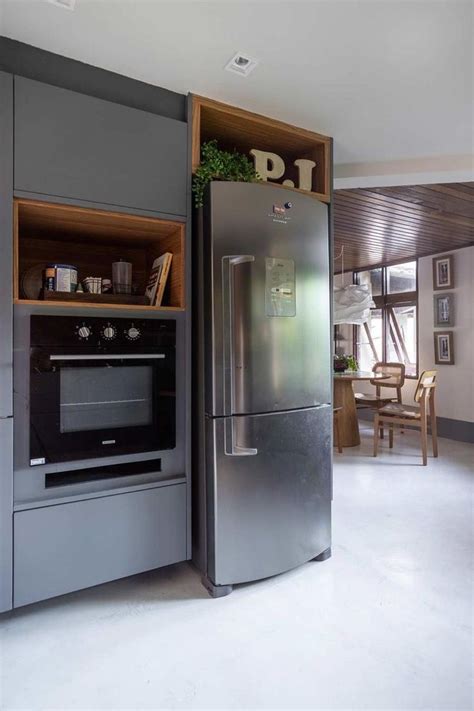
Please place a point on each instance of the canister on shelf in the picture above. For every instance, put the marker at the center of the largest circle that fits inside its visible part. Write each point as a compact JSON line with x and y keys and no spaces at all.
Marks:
{"x":92,"y":284}
{"x":66,"y":277}
{"x":49,"y":278}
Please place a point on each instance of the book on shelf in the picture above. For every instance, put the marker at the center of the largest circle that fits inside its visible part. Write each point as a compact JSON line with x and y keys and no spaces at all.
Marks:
{"x":157,"y":279}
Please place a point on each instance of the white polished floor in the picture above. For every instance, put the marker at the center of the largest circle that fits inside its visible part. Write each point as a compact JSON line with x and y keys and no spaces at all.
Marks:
{"x":384,"y":624}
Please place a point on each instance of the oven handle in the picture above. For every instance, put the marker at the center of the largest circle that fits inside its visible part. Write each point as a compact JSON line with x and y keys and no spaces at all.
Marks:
{"x":103,"y":356}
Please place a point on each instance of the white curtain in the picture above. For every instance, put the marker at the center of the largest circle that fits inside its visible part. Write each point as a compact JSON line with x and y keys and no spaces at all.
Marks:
{"x":352,"y":303}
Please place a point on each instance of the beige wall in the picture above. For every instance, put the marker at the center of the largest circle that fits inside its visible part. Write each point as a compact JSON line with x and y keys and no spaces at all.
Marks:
{"x":455,"y":392}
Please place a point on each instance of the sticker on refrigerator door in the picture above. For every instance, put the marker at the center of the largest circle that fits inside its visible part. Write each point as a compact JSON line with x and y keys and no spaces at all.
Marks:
{"x":279,"y":213}
{"x":280,"y":287}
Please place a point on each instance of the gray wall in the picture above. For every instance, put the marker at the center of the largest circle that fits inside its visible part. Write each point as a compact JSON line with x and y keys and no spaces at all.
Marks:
{"x":24,"y":60}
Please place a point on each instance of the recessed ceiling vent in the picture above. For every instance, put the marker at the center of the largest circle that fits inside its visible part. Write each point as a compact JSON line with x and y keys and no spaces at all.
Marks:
{"x":65,"y":4}
{"x":241,"y":64}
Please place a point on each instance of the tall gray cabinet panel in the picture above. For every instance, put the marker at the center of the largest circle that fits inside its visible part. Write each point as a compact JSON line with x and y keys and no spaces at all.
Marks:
{"x":6,"y":326}
{"x":6,"y":240}
{"x":76,"y":146}
{"x":6,"y":509}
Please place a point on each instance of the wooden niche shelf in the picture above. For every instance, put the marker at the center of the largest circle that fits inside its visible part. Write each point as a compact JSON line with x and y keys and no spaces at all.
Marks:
{"x":242,"y":130}
{"x":47,"y":233}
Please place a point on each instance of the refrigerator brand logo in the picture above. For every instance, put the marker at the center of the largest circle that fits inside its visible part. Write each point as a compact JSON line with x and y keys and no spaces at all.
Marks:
{"x":279,"y":212}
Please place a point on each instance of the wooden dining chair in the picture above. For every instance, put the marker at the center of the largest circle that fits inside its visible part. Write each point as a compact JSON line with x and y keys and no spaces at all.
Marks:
{"x":337,"y":429}
{"x":395,"y":382}
{"x":394,"y":413}
{"x":378,"y":399}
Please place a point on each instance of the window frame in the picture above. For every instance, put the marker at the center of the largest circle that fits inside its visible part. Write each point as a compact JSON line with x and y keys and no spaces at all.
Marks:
{"x":384,"y":302}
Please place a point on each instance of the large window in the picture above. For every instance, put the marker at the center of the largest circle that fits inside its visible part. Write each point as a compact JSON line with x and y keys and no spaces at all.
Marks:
{"x":391,"y":331}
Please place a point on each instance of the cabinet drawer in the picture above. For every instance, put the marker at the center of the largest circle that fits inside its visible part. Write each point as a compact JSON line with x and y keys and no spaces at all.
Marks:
{"x":72,"y":145}
{"x":58,"y":549}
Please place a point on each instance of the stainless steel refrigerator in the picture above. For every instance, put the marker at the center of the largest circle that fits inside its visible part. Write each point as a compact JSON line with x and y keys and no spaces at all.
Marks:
{"x":263,"y":414}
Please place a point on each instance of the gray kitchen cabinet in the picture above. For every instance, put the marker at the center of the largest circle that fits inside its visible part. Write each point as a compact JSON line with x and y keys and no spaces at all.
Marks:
{"x":62,"y":548}
{"x":6,"y":508}
{"x":6,"y":244}
{"x":6,"y":339}
{"x":76,"y":146}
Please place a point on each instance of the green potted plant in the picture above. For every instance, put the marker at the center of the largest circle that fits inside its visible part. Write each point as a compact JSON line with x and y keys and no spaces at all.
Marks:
{"x":352,"y":364}
{"x":340,"y":363}
{"x":217,"y":164}
{"x":344,"y":362}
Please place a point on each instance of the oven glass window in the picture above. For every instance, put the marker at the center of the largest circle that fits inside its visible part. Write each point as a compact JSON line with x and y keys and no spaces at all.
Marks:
{"x":97,"y":398}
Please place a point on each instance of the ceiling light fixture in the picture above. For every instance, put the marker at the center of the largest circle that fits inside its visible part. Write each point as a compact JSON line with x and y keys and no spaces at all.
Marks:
{"x":65,"y":4}
{"x":241,"y":64}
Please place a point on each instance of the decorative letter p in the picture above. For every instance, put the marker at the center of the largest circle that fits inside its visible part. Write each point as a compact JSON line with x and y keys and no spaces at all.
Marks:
{"x":268,"y":165}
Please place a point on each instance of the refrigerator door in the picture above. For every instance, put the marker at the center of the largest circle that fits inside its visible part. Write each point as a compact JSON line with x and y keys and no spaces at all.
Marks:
{"x":267,"y":300}
{"x":269,"y":488}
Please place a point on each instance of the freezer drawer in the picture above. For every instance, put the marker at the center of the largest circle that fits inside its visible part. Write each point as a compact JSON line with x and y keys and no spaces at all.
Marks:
{"x":269,"y":486}
{"x":58,"y":549}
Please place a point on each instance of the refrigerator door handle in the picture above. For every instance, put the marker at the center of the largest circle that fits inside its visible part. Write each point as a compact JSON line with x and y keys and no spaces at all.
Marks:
{"x":231,"y":436}
{"x":228,"y":264}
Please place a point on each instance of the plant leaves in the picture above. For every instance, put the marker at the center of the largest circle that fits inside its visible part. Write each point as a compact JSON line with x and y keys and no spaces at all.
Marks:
{"x":217,"y":164}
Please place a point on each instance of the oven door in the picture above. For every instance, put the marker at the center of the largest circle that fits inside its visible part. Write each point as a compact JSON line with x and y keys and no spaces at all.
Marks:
{"x":95,"y":405}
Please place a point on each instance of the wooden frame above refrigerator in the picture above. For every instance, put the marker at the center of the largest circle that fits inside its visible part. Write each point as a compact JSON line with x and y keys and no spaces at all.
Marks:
{"x":242,"y":130}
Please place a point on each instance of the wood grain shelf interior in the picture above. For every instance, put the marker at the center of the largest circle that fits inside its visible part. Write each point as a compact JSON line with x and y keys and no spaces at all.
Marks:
{"x":392,"y":224}
{"x":91,"y":240}
{"x":242,"y":130}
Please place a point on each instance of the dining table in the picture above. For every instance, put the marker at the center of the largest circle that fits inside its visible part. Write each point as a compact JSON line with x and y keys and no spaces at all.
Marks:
{"x":345,"y":399}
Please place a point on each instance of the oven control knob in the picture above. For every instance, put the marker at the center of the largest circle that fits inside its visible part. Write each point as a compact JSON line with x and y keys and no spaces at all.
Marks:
{"x":109,"y":332}
{"x":132,"y":333}
{"x":84,"y":332}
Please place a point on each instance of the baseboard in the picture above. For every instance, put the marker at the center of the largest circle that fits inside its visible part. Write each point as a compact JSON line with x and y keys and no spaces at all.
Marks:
{"x":459,"y":430}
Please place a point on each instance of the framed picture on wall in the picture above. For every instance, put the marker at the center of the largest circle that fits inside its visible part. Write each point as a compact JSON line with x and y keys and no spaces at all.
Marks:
{"x":444,"y":348}
{"x":444,"y":310}
{"x":443,"y":272}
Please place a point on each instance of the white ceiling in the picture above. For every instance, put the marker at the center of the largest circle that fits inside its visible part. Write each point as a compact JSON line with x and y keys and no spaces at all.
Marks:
{"x":390,"y":81}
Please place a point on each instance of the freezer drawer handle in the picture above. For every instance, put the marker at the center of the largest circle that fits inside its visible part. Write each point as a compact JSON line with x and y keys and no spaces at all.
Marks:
{"x":231,"y":448}
{"x":229,"y":262}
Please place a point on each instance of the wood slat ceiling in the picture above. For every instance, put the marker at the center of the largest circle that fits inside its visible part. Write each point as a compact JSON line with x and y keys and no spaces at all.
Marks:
{"x":383,"y":225}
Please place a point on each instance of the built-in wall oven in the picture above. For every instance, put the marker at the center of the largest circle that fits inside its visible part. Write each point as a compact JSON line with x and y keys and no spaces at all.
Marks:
{"x":100,"y":387}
